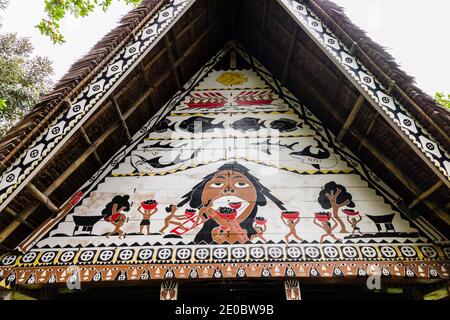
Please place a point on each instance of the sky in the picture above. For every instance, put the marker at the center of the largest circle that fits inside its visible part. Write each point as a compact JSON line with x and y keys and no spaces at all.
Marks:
{"x":414,"y":32}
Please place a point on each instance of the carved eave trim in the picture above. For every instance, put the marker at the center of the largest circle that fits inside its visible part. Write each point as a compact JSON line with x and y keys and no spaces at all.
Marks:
{"x":402,"y":121}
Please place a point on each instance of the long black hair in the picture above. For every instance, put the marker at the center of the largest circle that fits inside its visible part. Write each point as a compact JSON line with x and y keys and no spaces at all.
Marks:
{"x":194,"y":197}
{"x":121,"y":201}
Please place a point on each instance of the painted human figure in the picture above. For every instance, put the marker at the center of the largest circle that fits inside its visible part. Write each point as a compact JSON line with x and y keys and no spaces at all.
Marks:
{"x":228,"y":199}
{"x":354,"y":223}
{"x":260,"y":229}
{"x":291,"y":224}
{"x":172,"y":218}
{"x":328,"y":228}
{"x":146,"y":215}
{"x":113,"y":214}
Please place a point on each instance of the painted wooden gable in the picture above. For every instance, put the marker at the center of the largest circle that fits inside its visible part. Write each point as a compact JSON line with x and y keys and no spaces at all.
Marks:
{"x":232,"y":178}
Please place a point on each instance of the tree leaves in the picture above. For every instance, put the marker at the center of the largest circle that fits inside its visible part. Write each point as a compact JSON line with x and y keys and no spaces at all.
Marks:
{"x":442,"y":99}
{"x":56,"y":10}
{"x":24,"y":78}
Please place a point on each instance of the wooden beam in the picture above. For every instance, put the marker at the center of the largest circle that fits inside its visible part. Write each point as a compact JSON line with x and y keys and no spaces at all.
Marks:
{"x":42,"y":198}
{"x":122,"y":120}
{"x":263,"y":25}
{"x":407,"y":182}
{"x":16,"y":216}
{"x":374,"y":103}
{"x":88,"y":141}
{"x":176,"y":46}
{"x":369,"y":129}
{"x":197,"y":41}
{"x":425,"y":194}
{"x":82,"y":83}
{"x":289,"y":56}
{"x":55,"y":185}
{"x":17,"y":222}
{"x":24,"y":215}
{"x":5,"y":248}
{"x":173,"y":67}
{"x":148,"y":85}
{"x":233,"y":59}
{"x":378,"y":69}
{"x":389,"y":164}
{"x":100,"y":140}
{"x":351,"y":117}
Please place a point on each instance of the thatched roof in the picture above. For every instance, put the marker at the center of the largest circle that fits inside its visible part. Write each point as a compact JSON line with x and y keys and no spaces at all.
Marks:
{"x":265,"y":29}
{"x":384,"y":66}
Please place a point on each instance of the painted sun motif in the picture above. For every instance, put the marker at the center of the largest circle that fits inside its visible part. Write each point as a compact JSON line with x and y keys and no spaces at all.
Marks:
{"x":232,"y":78}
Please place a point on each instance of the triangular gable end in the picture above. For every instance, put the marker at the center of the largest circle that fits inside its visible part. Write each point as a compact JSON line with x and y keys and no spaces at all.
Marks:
{"x":16,"y":176}
{"x":234,"y":144}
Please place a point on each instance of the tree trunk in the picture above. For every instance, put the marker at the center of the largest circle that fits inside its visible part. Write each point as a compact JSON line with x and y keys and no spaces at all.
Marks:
{"x":339,"y":220}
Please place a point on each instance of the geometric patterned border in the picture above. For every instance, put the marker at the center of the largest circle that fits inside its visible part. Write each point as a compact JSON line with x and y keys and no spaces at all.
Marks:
{"x":98,"y":274}
{"x":88,"y":101}
{"x":206,"y":254}
{"x":371,"y":85}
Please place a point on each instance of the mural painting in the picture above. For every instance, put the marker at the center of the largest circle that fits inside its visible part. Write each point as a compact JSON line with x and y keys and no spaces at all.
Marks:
{"x":233,"y":174}
{"x":292,"y":290}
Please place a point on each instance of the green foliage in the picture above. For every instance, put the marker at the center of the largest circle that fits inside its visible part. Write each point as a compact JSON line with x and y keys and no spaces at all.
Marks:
{"x":24,"y":79}
{"x":443,"y":99}
{"x":56,"y":10}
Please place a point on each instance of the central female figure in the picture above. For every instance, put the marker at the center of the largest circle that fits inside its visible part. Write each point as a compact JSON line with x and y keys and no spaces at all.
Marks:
{"x":228,"y":200}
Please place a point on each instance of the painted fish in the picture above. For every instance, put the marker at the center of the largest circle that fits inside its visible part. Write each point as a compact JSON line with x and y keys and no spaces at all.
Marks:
{"x":163,"y":126}
{"x":160,"y":145}
{"x":269,"y":147}
{"x":200,"y":124}
{"x":285,"y":125}
{"x":314,"y":159}
{"x":248,"y":124}
{"x":141,"y":164}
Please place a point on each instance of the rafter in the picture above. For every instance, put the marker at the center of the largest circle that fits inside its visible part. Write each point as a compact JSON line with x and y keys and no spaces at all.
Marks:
{"x":289,"y":56}
{"x":76,"y":164}
{"x":121,"y":118}
{"x":88,"y":141}
{"x":389,"y":164}
{"x":372,"y":101}
{"x":351,"y":117}
{"x":16,"y":216}
{"x":75,"y":90}
{"x":150,"y":104}
{"x":45,"y":200}
{"x":425,"y":194}
{"x":263,"y":25}
{"x":173,"y":67}
{"x":378,"y":70}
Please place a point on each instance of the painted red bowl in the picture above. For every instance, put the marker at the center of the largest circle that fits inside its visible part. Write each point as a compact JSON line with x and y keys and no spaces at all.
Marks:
{"x":350,"y":212}
{"x":290,"y":215}
{"x":323,"y":216}
{"x":149,"y":204}
{"x":190,"y":213}
{"x":260,"y":220}
{"x":235,"y":205}
{"x":227,"y":213}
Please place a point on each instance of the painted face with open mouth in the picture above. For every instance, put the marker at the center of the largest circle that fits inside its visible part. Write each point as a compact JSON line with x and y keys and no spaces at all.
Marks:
{"x":233,"y":190}
{"x":230,"y":208}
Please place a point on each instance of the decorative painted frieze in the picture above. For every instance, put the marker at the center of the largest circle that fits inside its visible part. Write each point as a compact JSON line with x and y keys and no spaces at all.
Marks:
{"x":210,"y":190}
